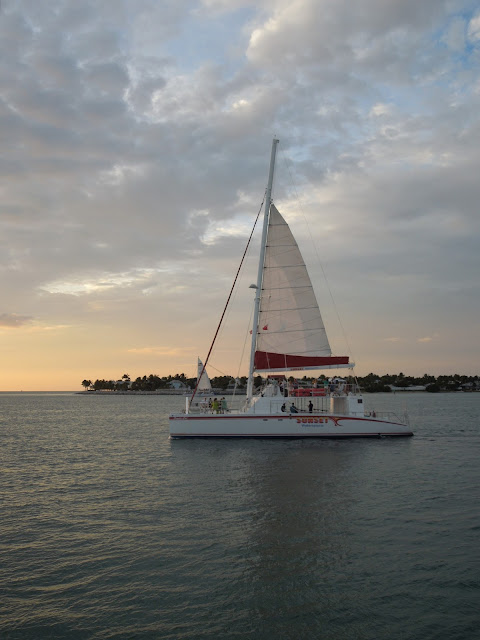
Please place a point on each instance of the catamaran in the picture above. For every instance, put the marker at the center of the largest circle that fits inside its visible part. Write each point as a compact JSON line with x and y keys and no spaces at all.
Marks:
{"x":288,"y":335}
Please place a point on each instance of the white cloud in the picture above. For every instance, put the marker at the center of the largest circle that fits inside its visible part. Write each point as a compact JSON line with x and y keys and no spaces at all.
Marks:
{"x":380,"y":109}
{"x":474,"y":28}
{"x":119,"y":173}
{"x":435,"y":336}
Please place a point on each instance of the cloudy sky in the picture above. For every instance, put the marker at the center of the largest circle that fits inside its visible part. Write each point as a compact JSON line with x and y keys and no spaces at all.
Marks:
{"x":135,"y":141}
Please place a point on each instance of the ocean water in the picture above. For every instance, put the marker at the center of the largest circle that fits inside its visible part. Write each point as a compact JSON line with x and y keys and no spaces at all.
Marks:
{"x":109,"y":529}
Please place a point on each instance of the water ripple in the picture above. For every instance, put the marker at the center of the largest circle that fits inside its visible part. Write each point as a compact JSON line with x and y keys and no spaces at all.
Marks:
{"x":110,"y":530}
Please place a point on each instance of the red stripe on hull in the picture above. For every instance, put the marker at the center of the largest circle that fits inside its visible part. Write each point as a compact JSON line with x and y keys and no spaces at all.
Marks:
{"x":290,"y":435}
{"x":279,"y":417}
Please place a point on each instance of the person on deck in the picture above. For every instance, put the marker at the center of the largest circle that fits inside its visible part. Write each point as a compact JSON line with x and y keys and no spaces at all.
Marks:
{"x":293,"y":408}
{"x":215,"y":406}
{"x":310,"y":407}
{"x":284,"y":408}
{"x":224,"y":406}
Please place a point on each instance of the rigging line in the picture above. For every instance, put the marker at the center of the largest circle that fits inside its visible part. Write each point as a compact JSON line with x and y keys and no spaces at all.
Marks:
{"x":318,"y":257}
{"x":220,"y":371}
{"x":243,"y":349}
{"x":228,"y":299}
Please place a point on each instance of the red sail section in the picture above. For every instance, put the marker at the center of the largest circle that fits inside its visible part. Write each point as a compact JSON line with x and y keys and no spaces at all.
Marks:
{"x":265,"y":361}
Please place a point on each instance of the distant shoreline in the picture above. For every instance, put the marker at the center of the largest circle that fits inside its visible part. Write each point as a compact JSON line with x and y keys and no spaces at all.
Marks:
{"x":158,"y":392}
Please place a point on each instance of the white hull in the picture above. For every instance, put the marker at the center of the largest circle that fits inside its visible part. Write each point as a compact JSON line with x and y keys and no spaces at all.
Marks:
{"x":281,"y":426}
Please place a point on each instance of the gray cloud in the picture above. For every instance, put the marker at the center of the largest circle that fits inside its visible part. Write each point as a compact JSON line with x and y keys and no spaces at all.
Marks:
{"x":13,"y":320}
{"x":121,"y":152}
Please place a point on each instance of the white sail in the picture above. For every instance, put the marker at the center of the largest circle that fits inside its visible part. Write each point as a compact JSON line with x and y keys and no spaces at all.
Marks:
{"x":291,"y":333}
{"x":203,"y":380}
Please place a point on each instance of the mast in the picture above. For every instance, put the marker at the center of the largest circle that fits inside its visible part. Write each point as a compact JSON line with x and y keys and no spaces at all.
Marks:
{"x":256,"y":311}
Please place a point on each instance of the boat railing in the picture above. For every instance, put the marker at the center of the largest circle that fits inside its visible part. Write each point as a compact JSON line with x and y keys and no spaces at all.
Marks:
{"x":206,"y":405}
{"x":331,"y":389}
{"x":388,"y":416}
{"x":274,"y":405}
{"x":299,"y":390}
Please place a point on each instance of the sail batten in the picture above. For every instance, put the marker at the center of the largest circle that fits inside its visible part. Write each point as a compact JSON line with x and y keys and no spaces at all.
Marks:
{"x":291,"y":309}
{"x":299,"y":286}
{"x":288,"y":266}
{"x":289,"y":332}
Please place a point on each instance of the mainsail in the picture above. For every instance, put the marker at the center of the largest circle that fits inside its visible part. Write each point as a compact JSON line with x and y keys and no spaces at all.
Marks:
{"x":203,"y":381}
{"x":291,"y":334}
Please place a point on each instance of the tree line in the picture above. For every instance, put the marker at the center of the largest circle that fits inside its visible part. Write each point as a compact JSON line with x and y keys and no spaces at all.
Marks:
{"x":374,"y":383}
{"x":371,"y":383}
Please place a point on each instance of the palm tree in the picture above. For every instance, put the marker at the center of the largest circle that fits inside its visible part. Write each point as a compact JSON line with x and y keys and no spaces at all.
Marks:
{"x":86,"y":384}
